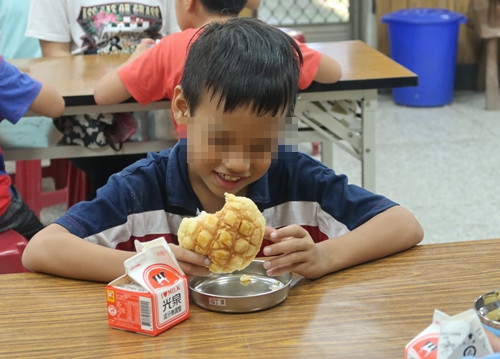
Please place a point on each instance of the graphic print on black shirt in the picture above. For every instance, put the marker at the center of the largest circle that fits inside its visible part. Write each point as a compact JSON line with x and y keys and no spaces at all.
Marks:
{"x":118,"y":27}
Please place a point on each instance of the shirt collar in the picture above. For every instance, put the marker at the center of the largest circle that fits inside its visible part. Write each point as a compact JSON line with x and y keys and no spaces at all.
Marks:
{"x":180,"y":192}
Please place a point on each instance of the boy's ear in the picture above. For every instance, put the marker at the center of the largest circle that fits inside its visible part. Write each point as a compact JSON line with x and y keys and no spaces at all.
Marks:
{"x":188,"y":4}
{"x":179,"y":105}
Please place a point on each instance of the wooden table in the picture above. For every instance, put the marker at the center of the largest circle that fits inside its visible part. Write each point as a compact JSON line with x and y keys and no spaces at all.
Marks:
{"x":74,"y":77}
{"x":368,"y":311}
{"x":364,"y":71}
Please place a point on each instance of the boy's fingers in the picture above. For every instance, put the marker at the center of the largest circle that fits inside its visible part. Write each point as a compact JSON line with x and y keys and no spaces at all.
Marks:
{"x":194,"y":270}
{"x":280,"y":246}
{"x":187,"y":256}
{"x":268,"y":231}
{"x":292,"y":231}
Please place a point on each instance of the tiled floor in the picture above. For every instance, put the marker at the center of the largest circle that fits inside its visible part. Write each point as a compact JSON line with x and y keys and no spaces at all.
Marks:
{"x":442,"y":163}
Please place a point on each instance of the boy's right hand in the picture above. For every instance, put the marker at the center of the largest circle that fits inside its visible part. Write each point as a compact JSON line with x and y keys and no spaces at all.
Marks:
{"x":143,"y":46}
{"x":190,"y":262}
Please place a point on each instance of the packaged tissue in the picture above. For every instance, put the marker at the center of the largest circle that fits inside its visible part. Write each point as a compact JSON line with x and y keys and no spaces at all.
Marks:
{"x":152,"y":295}
{"x":450,"y":337}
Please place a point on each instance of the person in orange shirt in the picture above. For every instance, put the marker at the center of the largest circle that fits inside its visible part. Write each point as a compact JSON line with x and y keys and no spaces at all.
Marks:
{"x":153,"y":71}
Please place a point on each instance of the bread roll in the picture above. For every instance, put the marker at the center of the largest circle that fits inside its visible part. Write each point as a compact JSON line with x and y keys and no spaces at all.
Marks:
{"x":231,"y":238}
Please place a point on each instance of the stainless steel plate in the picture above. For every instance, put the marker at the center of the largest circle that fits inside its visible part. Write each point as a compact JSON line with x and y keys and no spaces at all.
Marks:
{"x":487,"y":308}
{"x":228,"y":293}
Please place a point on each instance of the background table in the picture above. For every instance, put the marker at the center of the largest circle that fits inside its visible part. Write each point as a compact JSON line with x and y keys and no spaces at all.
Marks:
{"x":351,"y":123}
{"x":364,"y":71}
{"x":74,"y":77}
{"x":368,"y":311}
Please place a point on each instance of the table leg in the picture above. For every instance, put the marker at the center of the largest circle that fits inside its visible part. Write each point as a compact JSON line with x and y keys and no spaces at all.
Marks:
{"x":330,"y":118}
{"x":492,"y":90}
{"x":368,"y":109}
{"x":327,"y":153}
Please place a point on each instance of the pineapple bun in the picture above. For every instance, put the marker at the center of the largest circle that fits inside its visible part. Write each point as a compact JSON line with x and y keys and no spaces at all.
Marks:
{"x":230,"y":238}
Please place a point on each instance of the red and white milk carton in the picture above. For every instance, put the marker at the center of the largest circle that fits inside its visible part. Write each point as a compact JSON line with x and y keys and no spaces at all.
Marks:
{"x":152,"y":295}
{"x":450,"y":337}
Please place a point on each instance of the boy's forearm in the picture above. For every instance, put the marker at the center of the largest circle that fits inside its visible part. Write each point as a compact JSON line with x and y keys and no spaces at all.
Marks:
{"x":329,"y":70}
{"x":110,"y":90}
{"x":391,"y":231}
{"x":56,"y":251}
{"x":48,"y":102}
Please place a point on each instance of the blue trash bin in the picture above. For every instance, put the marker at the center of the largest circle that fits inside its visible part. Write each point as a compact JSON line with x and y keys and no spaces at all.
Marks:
{"x":425,"y":41}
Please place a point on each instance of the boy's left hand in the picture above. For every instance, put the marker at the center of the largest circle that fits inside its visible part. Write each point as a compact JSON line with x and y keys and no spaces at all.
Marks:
{"x":293,"y":251}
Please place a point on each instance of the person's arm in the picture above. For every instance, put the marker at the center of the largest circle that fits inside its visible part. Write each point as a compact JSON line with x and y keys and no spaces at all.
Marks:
{"x":110,"y":89}
{"x":48,"y":102}
{"x":317,"y":67}
{"x":329,"y":70}
{"x":391,"y":231}
{"x":494,"y":341}
{"x":253,"y":4}
{"x":54,"y":250}
{"x":55,"y":49}
{"x":20,"y":92}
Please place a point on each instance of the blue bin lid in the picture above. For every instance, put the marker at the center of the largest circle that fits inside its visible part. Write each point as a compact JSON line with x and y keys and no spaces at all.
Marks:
{"x":423,"y":16}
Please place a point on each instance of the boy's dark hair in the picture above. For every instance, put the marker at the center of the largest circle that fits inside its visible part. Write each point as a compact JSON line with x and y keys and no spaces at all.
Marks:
{"x":243,"y":62}
{"x":223,"y":7}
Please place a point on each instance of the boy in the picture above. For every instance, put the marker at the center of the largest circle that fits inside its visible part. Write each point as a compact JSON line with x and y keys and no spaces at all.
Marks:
{"x":18,"y":93}
{"x":238,"y":87}
{"x":154,"y":75}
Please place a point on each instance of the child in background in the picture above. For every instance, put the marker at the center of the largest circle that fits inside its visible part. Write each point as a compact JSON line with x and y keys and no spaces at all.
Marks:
{"x":18,"y":93}
{"x":152,"y":75}
{"x":13,"y":20}
{"x":71,"y":27}
{"x":235,"y":97}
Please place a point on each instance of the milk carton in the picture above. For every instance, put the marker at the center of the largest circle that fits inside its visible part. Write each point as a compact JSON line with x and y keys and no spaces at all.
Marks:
{"x":450,"y":337}
{"x":152,"y":295}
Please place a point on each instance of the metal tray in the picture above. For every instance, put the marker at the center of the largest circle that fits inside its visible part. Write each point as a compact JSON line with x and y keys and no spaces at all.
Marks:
{"x":487,"y":307}
{"x":227,"y":293}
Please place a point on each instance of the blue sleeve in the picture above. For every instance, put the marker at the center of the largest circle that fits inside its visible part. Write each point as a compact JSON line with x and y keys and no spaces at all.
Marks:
{"x":17,"y":92}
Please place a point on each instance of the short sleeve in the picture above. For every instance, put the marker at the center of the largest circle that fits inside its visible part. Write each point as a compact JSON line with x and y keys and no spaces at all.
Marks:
{"x":154,"y":75}
{"x":312,"y":59}
{"x":48,"y":20}
{"x":17,"y":91}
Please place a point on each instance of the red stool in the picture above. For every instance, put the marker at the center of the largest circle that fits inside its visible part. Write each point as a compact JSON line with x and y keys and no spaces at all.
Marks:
{"x":12,"y":246}
{"x":70,"y":183}
{"x":78,"y":185}
{"x":28,"y":180}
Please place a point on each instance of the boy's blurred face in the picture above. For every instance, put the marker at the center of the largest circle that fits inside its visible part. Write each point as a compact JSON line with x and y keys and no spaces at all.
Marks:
{"x":228,"y":151}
